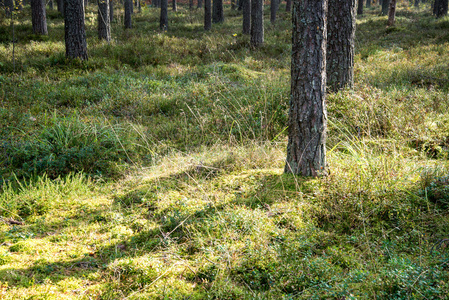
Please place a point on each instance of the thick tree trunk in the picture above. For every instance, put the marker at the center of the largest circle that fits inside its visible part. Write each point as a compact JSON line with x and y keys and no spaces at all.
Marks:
{"x":104,"y":25}
{"x":288,"y":6}
{"x":128,"y":12}
{"x":246,"y":16}
{"x":385,"y":5}
{"x":257,"y":31}
{"x":207,"y":15}
{"x":306,"y":150}
{"x":75,"y":33}
{"x":360,"y":7}
{"x":274,"y":5}
{"x":340,"y":44}
{"x":392,"y":13}
{"x":217,"y":11}
{"x":38,"y":17}
{"x":163,"y":23}
{"x":174,"y":8}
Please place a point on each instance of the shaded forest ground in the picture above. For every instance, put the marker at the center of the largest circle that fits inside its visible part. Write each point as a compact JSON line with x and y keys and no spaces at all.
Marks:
{"x":154,"y":170}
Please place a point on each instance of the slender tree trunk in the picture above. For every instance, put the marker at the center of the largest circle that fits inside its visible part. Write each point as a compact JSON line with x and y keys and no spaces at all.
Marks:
{"x":217,"y":11}
{"x":233,"y":6}
{"x":9,"y":7}
{"x":111,"y":11}
{"x":306,"y":149}
{"x":174,"y":8}
{"x":38,"y":17}
{"x":288,"y":6}
{"x":163,"y":24}
{"x":128,"y":12}
{"x":246,"y":16}
{"x":60,"y":5}
{"x":368,"y":3}
{"x":104,"y":25}
{"x":200,"y":4}
{"x":392,"y":13}
{"x":50,"y":4}
{"x":190,"y":4}
{"x":274,"y":4}
{"x":240,"y":5}
{"x":360,"y":7}
{"x":257,"y":30}
{"x":340,"y":44}
{"x":385,"y":4}
{"x":207,"y":15}
{"x":75,"y":33}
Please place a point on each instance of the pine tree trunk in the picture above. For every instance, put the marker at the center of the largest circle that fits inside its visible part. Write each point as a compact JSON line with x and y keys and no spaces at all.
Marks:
{"x":306,"y":150}
{"x":104,"y":25}
{"x":38,"y":17}
{"x":391,"y":13}
{"x":385,"y":5}
{"x":74,"y":31}
{"x":274,"y":4}
{"x":174,"y":8}
{"x":207,"y":15}
{"x":128,"y":12}
{"x":163,"y":24}
{"x":111,"y":11}
{"x":60,"y":5}
{"x":217,"y":11}
{"x":257,"y":30}
{"x":288,"y":6}
{"x":340,"y":44}
{"x":200,"y":4}
{"x":360,"y":7}
{"x":246,"y":16}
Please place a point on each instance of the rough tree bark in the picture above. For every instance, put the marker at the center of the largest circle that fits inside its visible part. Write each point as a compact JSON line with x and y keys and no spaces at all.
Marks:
{"x":128,"y":12}
{"x":104,"y":21}
{"x":257,"y":31}
{"x":391,"y":13}
{"x":163,"y":22}
{"x":246,"y":16}
{"x":306,"y":151}
{"x":207,"y":15}
{"x":340,"y":44}
{"x":74,"y":31}
{"x":38,"y":17}
{"x":217,"y":11}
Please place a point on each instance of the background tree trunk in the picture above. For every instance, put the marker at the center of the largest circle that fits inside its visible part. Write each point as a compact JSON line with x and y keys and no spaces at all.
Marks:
{"x":190,"y":4}
{"x":392,"y":13}
{"x":416,"y":3}
{"x":9,"y":7}
{"x":163,"y":24}
{"x":104,"y":25}
{"x":60,"y":5}
{"x":306,"y":151}
{"x":74,"y":31}
{"x":174,"y":8}
{"x":274,"y":4}
{"x":340,"y":44}
{"x":440,"y":8}
{"x":257,"y":31}
{"x":207,"y":15}
{"x":360,"y":7}
{"x":111,"y":11}
{"x":200,"y":4}
{"x":246,"y":16}
{"x":368,"y":3}
{"x":38,"y":17}
{"x":50,"y":4}
{"x":288,"y":6}
{"x":385,"y":5}
{"x":128,"y":12}
{"x":217,"y":11}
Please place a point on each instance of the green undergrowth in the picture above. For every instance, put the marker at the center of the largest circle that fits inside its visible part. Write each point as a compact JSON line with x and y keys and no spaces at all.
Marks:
{"x":155,"y":169}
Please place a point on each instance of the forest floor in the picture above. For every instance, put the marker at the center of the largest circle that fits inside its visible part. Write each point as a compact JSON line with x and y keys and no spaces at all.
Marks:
{"x":155,"y":169}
